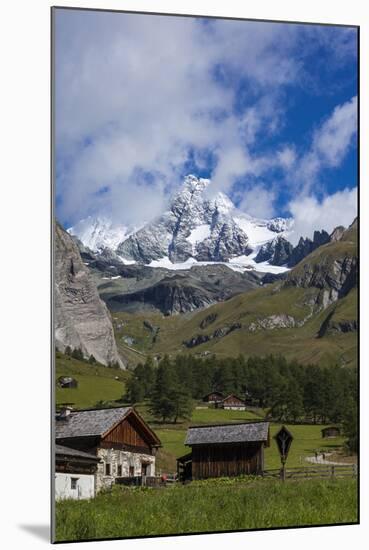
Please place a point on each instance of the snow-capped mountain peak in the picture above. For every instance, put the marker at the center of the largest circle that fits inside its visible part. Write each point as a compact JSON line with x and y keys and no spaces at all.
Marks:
{"x":223,"y":203}
{"x":97,"y":233}
{"x":197,"y":227}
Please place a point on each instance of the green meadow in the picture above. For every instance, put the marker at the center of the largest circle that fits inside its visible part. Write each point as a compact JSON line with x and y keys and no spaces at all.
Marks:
{"x":95,"y":383}
{"x":211,"y":505}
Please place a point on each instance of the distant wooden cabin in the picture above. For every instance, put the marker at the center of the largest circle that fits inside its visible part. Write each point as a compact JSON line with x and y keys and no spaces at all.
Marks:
{"x":67,"y":382}
{"x":232,"y":402}
{"x":125,"y":445}
{"x":213,"y":397}
{"x":224,"y":450}
{"x":331,"y":431}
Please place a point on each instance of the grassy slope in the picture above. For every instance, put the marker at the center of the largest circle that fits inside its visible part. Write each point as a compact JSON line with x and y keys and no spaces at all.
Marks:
{"x":95,"y":383}
{"x":208,"y":506}
{"x":297,"y":343}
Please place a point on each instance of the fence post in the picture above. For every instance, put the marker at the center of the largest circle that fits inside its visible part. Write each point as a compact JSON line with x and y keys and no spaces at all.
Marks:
{"x":332,"y":471}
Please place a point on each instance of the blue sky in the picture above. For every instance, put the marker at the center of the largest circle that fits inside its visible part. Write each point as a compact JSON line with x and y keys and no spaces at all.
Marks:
{"x":268,"y":111}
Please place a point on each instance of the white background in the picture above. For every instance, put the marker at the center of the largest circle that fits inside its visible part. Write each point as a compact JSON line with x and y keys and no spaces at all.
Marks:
{"x":25,"y":268}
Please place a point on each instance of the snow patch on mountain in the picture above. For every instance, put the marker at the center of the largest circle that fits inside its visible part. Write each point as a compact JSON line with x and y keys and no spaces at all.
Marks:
{"x":199,"y":234}
{"x":99,"y":233}
{"x":240,"y":264}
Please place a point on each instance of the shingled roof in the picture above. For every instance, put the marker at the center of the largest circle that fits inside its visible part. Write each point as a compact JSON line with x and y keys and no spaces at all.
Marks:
{"x":228,"y":433}
{"x":89,"y":423}
{"x":61,"y":451}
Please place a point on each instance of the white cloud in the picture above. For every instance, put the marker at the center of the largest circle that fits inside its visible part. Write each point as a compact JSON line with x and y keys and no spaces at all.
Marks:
{"x":287,"y":157}
{"x":310,"y":214}
{"x":136,"y":94}
{"x":258,"y":201}
{"x":330,"y":145}
{"x":335,"y":136}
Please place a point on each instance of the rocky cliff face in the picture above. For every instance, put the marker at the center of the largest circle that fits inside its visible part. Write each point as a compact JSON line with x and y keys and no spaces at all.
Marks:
{"x":276,"y":252}
{"x":281,"y":252}
{"x":331,"y":269}
{"x":140,"y":287}
{"x":306,"y":246}
{"x":81,"y":318}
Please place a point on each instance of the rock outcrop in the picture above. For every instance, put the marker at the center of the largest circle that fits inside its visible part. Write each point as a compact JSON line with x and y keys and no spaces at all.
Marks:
{"x":173,"y":292}
{"x":272,"y":322}
{"x":332,"y":326}
{"x":333,"y":271}
{"x":82,"y":320}
{"x":218,"y":333}
{"x":280,"y":251}
{"x":306,"y":246}
{"x":276,"y":252}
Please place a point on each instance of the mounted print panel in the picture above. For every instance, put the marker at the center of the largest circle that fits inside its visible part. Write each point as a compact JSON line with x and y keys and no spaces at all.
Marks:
{"x":205,"y":258}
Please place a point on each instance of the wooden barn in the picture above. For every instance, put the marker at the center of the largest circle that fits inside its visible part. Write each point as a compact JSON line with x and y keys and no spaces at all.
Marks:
{"x":213,"y":397}
{"x":67,"y":382}
{"x":232,"y":402}
{"x":224,"y":450}
{"x":119,"y":437}
{"x":331,"y":431}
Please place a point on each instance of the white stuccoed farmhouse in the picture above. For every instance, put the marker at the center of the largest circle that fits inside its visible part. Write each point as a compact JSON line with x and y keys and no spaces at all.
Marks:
{"x":95,"y":448}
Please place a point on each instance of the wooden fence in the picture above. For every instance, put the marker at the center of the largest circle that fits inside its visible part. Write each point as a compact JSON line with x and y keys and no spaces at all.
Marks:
{"x":319,"y":471}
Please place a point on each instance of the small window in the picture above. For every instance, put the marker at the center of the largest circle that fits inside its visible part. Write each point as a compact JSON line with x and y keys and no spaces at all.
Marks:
{"x":107,"y":469}
{"x":73,"y":482}
{"x":119,"y":470}
{"x":131,"y":471}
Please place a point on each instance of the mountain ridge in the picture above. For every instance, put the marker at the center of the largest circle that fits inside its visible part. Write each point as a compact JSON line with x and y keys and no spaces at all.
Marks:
{"x":195,"y":227}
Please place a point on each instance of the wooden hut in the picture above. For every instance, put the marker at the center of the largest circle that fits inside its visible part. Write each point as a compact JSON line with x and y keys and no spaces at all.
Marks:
{"x":331,"y":431}
{"x":67,"y":382}
{"x":224,"y":450}
{"x":232,"y":402}
{"x":213,"y":397}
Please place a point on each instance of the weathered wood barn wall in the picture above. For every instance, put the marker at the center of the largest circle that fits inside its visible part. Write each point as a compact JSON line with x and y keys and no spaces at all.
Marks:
{"x":225,"y":450}
{"x":213,"y":397}
{"x":331,"y":431}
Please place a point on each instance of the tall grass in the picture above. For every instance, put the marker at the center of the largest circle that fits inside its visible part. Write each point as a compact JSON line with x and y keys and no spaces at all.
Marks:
{"x":208,"y":506}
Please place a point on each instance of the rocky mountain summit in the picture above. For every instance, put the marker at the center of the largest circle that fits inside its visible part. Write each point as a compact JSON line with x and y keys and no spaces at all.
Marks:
{"x":194,"y":227}
{"x":197,"y":227}
{"x":281,"y":252}
{"x":82,"y":320}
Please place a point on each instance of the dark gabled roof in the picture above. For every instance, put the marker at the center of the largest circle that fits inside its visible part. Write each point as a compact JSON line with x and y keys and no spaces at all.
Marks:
{"x":61,"y":451}
{"x":89,"y":423}
{"x":98,"y":422}
{"x":214,"y":393}
{"x":227,"y":433}
{"x":233,"y":395}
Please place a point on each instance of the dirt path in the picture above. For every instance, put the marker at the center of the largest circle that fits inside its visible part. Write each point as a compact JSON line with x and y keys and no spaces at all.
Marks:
{"x":320,"y":460}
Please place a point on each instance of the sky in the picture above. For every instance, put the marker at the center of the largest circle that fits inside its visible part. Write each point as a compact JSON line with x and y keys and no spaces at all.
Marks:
{"x":267,"y":111}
